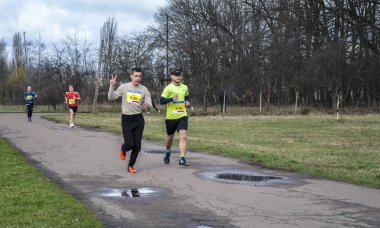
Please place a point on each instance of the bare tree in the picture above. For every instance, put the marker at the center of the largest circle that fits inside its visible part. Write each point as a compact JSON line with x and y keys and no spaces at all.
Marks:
{"x":108,"y":36}
{"x":98,"y":78}
{"x":3,"y":70}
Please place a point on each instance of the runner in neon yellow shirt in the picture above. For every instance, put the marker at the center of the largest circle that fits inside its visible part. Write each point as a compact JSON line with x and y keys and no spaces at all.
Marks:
{"x":176,"y":98}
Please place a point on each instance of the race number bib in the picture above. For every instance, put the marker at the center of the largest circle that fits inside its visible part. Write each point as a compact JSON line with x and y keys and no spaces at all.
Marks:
{"x":134,"y":96}
{"x":178,"y":107}
{"x":29,"y":97}
{"x":71,"y":101}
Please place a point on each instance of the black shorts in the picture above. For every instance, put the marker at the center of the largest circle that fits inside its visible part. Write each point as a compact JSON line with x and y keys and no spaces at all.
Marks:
{"x":176,"y":125}
{"x":74,"y":108}
{"x":29,"y":106}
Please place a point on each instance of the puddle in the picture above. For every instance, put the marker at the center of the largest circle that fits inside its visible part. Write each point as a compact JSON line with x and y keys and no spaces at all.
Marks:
{"x":62,"y":128}
{"x":154,"y":151}
{"x":161,"y":151}
{"x":245,"y":177}
{"x":135,"y":192}
{"x":129,"y":193}
{"x":207,"y":226}
{"x":230,"y":175}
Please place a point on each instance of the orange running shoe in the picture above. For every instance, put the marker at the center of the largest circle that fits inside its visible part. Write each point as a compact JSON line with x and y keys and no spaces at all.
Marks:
{"x":131,"y":169}
{"x":122,"y":155}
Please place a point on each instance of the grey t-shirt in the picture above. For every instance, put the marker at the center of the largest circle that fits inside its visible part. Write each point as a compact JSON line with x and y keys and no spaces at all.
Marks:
{"x":132,"y":97}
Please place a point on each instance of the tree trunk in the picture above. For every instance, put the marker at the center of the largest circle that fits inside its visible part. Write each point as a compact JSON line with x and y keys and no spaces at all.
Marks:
{"x":205,"y":93}
{"x":97,"y":83}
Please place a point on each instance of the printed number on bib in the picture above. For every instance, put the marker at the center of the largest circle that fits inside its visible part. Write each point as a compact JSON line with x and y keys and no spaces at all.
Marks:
{"x":29,"y":97}
{"x":71,"y":101}
{"x":178,"y":107}
{"x":134,"y":96}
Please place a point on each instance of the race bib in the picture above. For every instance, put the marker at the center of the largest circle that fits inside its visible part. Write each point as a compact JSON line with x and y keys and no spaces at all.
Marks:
{"x":71,"y":101}
{"x":29,"y":97}
{"x":133,"y":96}
{"x":178,"y":107}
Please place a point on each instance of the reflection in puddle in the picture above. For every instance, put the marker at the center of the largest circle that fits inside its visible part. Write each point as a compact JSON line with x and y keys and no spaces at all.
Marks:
{"x":135,"y":192}
{"x":130,"y":193}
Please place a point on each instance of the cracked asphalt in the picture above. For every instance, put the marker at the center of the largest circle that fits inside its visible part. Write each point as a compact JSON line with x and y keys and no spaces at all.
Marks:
{"x":86,"y":163}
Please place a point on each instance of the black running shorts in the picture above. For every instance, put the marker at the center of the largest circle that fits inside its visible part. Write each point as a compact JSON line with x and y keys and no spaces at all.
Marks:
{"x":74,"y":108}
{"x":176,"y":125}
{"x":29,"y":106}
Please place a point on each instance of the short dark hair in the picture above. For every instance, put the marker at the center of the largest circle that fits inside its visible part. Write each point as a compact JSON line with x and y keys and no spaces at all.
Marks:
{"x":175,"y":71}
{"x":135,"y":69}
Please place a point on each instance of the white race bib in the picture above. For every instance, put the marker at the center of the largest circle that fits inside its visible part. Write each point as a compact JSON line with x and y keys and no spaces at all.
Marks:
{"x":178,"y":107}
{"x":133,"y":96}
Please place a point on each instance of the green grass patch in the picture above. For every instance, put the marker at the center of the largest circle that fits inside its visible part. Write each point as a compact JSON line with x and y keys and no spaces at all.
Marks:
{"x":29,"y":199}
{"x":347,"y":150}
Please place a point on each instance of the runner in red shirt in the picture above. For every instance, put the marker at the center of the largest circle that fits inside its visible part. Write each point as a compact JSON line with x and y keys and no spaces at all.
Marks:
{"x":72,"y":98}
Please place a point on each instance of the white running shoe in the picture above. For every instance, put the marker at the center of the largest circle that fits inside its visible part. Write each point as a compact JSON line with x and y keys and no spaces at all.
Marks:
{"x":71,"y":125}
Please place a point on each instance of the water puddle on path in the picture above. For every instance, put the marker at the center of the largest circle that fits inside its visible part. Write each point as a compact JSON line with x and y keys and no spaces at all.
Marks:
{"x":239,"y":176}
{"x":207,"y":226}
{"x":245,"y":177}
{"x":161,"y":151}
{"x":129,"y":192}
{"x":62,"y":128}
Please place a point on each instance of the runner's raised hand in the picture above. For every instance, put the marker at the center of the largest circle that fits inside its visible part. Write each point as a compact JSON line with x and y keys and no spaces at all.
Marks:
{"x":113,"y":79}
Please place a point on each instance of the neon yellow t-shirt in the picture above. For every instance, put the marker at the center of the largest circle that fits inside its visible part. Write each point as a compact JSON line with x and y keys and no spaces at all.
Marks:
{"x":175,"y":109}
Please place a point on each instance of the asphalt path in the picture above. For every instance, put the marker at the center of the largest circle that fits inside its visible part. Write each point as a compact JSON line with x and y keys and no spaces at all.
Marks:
{"x":86,"y":163}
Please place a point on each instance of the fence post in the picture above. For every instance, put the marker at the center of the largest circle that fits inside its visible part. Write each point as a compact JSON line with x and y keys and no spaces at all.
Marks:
{"x":337,"y":107}
{"x":261,"y":98}
{"x":296,"y":104}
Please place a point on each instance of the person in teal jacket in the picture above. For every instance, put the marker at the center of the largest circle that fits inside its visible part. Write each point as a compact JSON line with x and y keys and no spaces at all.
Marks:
{"x":29,"y":97}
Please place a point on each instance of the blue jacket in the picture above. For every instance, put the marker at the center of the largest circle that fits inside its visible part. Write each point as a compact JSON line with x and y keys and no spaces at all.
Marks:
{"x":29,"y":97}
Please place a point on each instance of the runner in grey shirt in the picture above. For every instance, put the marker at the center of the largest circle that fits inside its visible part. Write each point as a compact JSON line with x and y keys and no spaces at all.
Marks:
{"x":135,"y":98}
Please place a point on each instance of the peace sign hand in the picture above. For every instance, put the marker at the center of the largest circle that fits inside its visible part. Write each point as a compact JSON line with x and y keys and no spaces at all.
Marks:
{"x":113,"y":79}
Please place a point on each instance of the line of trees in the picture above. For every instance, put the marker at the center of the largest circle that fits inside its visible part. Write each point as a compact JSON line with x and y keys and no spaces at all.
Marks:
{"x":312,"y":51}
{"x":318,"y":49}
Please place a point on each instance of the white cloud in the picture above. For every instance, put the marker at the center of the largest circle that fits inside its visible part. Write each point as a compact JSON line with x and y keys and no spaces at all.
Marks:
{"x":55,"y":19}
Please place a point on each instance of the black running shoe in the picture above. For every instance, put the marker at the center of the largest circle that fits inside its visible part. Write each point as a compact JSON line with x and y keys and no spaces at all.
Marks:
{"x":166,"y":159}
{"x":183,"y":162}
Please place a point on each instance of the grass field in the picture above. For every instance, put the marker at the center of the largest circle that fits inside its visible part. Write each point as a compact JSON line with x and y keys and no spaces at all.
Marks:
{"x":346,"y":150}
{"x":29,"y":199}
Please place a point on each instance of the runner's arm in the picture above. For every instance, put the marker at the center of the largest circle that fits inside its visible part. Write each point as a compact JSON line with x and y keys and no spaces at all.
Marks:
{"x":148,"y":99}
{"x":164,"y":100}
{"x":66,"y":99}
{"x":112,"y":94}
{"x":187,"y":101}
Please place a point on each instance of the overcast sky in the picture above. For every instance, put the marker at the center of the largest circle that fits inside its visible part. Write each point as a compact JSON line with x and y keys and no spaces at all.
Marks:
{"x":54,"y":19}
